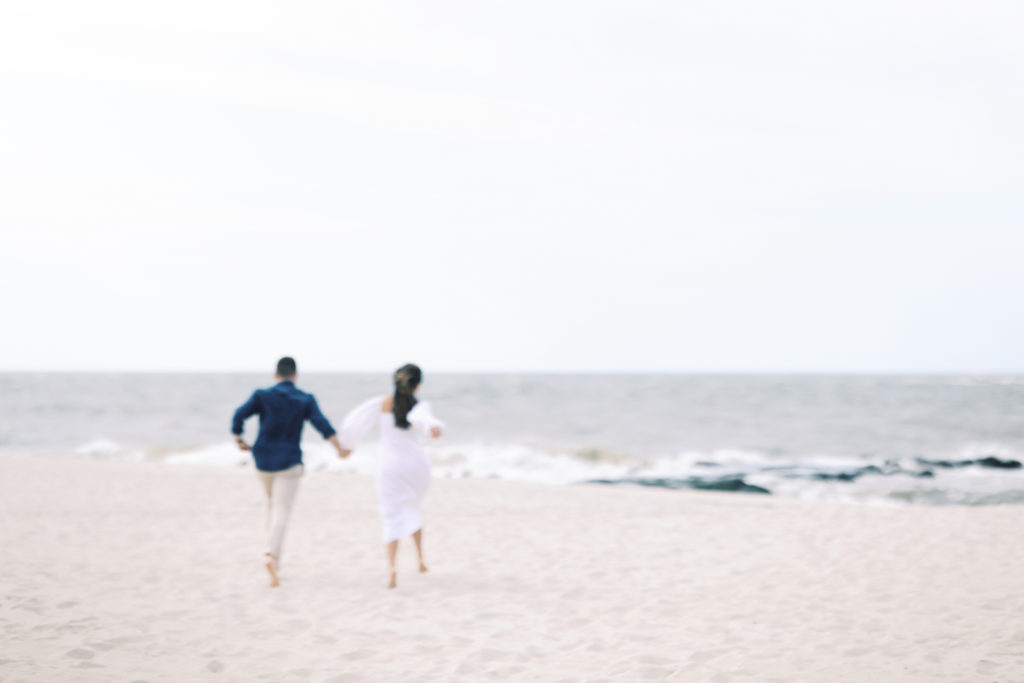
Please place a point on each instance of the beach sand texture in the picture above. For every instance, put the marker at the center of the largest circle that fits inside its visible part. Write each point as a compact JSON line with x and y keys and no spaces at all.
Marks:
{"x":144,"y":572}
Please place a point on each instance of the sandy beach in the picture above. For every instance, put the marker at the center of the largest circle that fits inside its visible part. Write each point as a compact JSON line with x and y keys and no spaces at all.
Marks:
{"x":147,"y":572}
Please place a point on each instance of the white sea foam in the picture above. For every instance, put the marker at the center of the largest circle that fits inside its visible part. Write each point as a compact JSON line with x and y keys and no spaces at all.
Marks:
{"x":104,"y":448}
{"x":862,"y":480}
{"x":109,"y":449}
{"x":217,"y":455}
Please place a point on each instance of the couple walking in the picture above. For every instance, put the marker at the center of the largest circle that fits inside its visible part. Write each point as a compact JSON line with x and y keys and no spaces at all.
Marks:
{"x":403,"y":472}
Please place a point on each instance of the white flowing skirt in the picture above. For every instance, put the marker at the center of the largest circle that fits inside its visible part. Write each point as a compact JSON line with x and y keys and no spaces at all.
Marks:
{"x":402,"y":483}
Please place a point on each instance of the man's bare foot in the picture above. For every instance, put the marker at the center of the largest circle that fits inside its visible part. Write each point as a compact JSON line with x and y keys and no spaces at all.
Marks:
{"x":271,"y":565}
{"x":394,"y":579}
{"x":423,"y":567}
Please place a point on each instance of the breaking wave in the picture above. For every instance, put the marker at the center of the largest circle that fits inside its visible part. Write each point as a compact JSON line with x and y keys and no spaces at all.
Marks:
{"x":980,"y":475}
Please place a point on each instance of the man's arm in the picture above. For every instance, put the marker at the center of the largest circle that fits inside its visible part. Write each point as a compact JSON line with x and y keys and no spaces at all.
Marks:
{"x":322,"y":425}
{"x":342,"y":453}
{"x":244,"y":412}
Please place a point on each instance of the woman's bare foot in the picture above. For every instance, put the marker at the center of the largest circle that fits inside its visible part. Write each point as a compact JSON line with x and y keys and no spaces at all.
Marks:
{"x":394,"y":579}
{"x":423,"y":567}
{"x":271,"y":565}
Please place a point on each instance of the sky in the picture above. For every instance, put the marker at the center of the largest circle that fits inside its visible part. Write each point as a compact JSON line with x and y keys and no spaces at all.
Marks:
{"x":532,"y":186}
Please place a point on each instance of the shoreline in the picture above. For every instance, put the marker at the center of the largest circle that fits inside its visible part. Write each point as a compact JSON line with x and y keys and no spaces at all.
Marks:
{"x":974,"y":481}
{"x":146,"y":572}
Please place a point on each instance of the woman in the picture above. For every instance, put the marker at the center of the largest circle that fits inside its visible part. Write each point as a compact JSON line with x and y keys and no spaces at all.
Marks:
{"x":403,"y":473}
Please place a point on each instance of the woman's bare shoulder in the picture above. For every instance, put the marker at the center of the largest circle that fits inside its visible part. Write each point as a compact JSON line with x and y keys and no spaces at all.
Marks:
{"x":387,"y":404}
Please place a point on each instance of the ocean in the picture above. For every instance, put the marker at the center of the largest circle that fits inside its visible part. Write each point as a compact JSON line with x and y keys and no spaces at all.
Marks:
{"x":885,"y":439}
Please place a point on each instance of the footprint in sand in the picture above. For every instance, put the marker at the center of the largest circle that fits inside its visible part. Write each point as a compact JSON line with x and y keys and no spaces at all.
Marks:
{"x":987,"y":666}
{"x":467,"y":669}
{"x":706,"y":656}
{"x":215,"y":666}
{"x":653,"y":660}
{"x":80,"y":653}
{"x":490,"y":655}
{"x":66,"y":604}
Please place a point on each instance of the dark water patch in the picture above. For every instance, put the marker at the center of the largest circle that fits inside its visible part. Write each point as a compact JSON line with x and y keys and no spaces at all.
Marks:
{"x":850,"y":475}
{"x":835,"y":476}
{"x":948,"y":464}
{"x":992,"y":461}
{"x":890,"y":468}
{"x":729,"y":484}
{"x":987,"y":461}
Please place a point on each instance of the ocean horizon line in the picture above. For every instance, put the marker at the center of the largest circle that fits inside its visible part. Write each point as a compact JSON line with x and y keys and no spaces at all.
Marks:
{"x":528,"y":372}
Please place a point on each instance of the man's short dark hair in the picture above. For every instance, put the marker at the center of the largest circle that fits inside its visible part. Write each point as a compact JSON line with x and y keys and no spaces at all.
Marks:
{"x":286,"y":368}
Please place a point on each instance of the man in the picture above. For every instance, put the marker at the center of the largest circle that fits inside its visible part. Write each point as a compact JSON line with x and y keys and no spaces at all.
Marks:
{"x":283,"y":409}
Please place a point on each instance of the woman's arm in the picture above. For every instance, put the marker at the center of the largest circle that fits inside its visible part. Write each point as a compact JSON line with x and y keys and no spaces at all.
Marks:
{"x":422,"y":418}
{"x":358,"y":423}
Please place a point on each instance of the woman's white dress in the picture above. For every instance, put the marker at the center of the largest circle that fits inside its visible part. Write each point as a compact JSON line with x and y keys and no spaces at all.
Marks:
{"x":403,"y":468}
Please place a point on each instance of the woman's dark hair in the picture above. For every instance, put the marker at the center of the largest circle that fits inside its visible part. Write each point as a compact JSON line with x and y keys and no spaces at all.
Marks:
{"x":407,"y":378}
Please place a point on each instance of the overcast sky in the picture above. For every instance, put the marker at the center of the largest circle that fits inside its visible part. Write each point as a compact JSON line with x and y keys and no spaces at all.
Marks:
{"x":587,"y":186}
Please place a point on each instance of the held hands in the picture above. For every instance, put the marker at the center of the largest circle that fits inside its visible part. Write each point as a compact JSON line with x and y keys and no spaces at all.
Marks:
{"x":342,"y":452}
{"x":435,"y":432}
{"x":242,"y":445}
